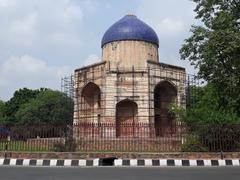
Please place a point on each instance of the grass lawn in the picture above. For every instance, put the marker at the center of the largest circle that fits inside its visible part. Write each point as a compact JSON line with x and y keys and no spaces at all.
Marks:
{"x":23,"y":146}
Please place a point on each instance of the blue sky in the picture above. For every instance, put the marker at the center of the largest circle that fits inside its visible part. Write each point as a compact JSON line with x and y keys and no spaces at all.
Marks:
{"x":44,"y":40}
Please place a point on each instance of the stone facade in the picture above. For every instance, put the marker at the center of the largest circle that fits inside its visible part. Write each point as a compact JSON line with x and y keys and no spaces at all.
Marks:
{"x":129,"y":86}
{"x":125,"y":54}
{"x":124,"y":84}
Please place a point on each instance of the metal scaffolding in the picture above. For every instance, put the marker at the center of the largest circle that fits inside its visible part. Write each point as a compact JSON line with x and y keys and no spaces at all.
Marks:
{"x":105,"y":93}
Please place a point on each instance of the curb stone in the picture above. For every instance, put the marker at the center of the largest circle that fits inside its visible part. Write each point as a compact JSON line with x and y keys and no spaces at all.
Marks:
{"x":176,"y":162}
{"x":119,"y":162}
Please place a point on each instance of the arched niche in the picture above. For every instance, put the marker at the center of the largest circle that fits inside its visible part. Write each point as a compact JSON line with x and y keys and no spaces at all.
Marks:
{"x":165,"y":93}
{"x":126,"y":118}
{"x":91,"y":101}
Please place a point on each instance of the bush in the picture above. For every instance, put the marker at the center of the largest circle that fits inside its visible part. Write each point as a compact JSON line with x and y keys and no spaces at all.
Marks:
{"x":59,"y":147}
{"x":69,"y":145}
{"x":193,"y":144}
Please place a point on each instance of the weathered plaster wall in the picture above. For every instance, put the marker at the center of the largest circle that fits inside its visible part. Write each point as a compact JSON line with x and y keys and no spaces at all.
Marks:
{"x":130,"y":53}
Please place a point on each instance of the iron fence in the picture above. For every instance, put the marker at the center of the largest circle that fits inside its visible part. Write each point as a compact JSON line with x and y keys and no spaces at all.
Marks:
{"x":102,"y":137}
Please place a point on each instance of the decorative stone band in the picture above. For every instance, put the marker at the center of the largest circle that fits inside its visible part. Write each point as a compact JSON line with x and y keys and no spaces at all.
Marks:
{"x":118,"y":162}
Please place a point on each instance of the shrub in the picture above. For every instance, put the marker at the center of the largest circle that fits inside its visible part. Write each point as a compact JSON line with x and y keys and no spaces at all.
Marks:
{"x":193,"y":144}
{"x":59,"y":147}
{"x":69,"y":145}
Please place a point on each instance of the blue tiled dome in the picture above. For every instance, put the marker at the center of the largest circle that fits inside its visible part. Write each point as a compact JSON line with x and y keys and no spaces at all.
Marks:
{"x":130,"y":28}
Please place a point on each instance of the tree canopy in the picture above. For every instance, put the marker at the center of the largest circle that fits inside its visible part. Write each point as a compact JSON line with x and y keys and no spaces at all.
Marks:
{"x":41,"y":106}
{"x":2,"y":118}
{"x":214,"y":49}
{"x":49,"y":107}
{"x":20,"y":97}
{"x":205,"y":109}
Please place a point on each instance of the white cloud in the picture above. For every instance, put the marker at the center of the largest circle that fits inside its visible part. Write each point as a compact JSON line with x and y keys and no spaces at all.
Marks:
{"x":27,"y":71}
{"x":63,"y":39}
{"x":169,"y":26}
{"x":22,"y":30}
{"x":71,"y":12}
{"x":52,"y":30}
{"x":171,"y":20}
{"x":32,"y":24}
{"x":25,"y":25}
{"x":69,"y":32}
{"x":6,"y":3}
{"x":93,"y":58}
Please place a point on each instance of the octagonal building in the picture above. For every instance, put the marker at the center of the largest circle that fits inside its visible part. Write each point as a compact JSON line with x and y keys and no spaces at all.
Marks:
{"x":129,"y":86}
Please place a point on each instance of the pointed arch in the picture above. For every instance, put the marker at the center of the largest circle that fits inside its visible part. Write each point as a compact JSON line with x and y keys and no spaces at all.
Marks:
{"x":165,"y":93}
{"x":126,"y":118}
{"x":90,"y":101}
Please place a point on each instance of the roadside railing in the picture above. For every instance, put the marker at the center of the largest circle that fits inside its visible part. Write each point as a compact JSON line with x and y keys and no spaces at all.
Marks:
{"x":111,"y":137}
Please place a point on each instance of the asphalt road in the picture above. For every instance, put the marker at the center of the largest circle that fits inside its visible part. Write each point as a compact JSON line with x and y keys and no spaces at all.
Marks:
{"x":105,"y":173}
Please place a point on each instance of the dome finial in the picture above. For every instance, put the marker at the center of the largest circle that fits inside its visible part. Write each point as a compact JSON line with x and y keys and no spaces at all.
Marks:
{"x":130,"y":14}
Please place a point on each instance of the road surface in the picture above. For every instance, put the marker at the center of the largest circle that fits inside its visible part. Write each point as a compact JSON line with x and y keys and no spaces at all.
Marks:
{"x":120,"y":173}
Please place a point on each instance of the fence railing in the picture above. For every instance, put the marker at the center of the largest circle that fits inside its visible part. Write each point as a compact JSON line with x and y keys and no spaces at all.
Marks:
{"x":140,"y":137}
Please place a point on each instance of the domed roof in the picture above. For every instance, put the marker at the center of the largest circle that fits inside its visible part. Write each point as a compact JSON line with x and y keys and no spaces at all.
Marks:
{"x":130,"y":28}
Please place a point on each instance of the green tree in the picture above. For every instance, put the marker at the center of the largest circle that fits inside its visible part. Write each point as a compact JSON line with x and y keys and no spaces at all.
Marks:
{"x":193,"y":95}
{"x":49,"y":107}
{"x":214,"y":49}
{"x":19,"y":98}
{"x":207,"y":124}
{"x":2,"y":116}
{"x":207,"y":110}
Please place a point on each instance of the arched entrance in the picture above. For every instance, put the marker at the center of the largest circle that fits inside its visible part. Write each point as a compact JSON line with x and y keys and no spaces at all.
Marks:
{"x":126,"y":118}
{"x":164,"y":94}
{"x":90,"y":102}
